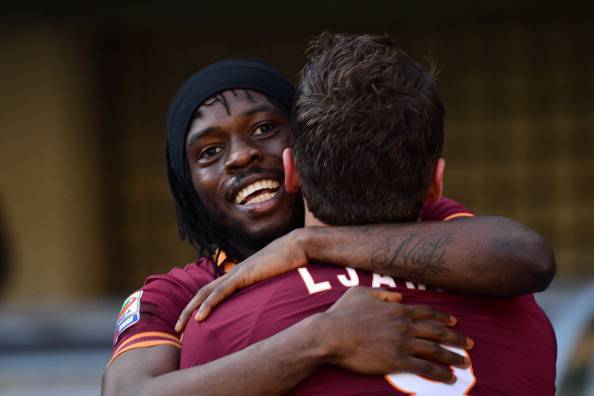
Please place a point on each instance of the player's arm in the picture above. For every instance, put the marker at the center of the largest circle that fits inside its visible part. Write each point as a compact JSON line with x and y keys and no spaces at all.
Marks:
{"x":269,"y":367}
{"x":482,"y":255}
{"x":366,"y":331}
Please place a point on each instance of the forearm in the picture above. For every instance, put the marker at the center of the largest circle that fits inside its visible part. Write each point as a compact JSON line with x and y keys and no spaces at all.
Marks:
{"x":482,"y":255}
{"x":272,"y":366}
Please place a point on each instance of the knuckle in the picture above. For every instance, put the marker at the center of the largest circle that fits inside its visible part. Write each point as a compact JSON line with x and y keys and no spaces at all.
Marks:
{"x":428,"y":310}
{"x":433,"y":313}
{"x":440,"y":331}
{"x":427,"y":367}
{"x":436,"y":350}
{"x":457,"y":338}
{"x":407,"y":312}
{"x":423,"y":308}
{"x":458,"y":358}
{"x":442,"y":317}
{"x":418,"y":312}
{"x":441,"y":374}
{"x":451,"y":357}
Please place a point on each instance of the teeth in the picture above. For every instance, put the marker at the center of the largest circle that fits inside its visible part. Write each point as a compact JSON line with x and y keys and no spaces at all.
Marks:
{"x":262,"y":198}
{"x":259,"y":185}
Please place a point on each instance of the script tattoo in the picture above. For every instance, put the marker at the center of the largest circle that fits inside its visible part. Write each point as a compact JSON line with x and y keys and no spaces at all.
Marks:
{"x":415,"y":256}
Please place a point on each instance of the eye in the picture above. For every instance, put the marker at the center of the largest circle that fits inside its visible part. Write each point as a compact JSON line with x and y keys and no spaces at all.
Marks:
{"x":264,"y":129}
{"x":209,"y":152}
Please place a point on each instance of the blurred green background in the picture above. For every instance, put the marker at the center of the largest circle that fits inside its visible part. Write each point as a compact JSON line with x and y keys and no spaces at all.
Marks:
{"x":84,"y":206}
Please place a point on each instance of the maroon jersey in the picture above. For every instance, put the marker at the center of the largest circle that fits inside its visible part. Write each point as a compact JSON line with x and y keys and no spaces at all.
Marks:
{"x":444,"y":209}
{"x":514,"y":353}
{"x":148,"y":316}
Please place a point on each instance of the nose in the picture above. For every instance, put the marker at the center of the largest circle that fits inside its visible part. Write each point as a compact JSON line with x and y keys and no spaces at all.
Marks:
{"x":242,"y":155}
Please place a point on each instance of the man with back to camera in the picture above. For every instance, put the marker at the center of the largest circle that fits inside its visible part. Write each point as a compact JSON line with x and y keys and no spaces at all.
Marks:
{"x":244,"y":104}
{"x":366,"y":111}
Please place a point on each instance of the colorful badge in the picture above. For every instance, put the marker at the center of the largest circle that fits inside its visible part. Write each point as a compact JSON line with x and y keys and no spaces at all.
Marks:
{"x":129,"y":314}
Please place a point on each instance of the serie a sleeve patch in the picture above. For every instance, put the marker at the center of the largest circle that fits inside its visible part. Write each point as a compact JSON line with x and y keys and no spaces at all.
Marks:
{"x":129,"y":314}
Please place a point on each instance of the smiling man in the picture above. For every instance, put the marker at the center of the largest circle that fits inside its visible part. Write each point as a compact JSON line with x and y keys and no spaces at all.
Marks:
{"x":227,"y":128}
{"x":249,"y":204}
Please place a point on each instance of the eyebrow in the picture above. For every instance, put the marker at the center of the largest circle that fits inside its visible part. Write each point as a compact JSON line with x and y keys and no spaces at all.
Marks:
{"x":258,"y":109}
{"x":199,"y":133}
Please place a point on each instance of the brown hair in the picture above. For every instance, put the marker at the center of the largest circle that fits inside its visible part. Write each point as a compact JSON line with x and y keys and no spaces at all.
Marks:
{"x":368,"y":130}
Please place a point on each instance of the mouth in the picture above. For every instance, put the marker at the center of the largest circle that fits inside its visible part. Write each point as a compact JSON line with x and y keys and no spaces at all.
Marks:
{"x":257,"y":192}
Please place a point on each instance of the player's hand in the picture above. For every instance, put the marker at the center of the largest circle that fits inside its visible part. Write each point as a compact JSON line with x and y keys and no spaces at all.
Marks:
{"x":278,"y":257}
{"x":370,"y":332}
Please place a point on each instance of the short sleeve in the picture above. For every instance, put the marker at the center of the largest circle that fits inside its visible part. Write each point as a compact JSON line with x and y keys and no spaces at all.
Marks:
{"x":148,"y":316}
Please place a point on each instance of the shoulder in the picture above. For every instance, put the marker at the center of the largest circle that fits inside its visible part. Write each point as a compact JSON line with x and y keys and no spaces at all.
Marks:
{"x":165,"y":295}
{"x":192,"y":275}
{"x":148,"y":316}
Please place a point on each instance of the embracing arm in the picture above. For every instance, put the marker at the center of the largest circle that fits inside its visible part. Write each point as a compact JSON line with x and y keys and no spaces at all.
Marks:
{"x":367,"y":331}
{"x":483,"y":255}
{"x":282,"y":361}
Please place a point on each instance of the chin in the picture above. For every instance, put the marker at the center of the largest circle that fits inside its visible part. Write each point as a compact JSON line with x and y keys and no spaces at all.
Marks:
{"x":260,"y":232}
{"x":268,"y":231}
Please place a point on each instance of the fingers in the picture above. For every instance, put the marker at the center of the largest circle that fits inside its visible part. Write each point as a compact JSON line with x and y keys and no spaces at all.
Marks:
{"x":183,"y":317}
{"x":438,"y":333}
{"x":422,"y":312}
{"x":385,"y":295}
{"x":221,"y":292}
{"x":436,"y":353}
{"x":195,"y":302}
{"x":430,"y":370}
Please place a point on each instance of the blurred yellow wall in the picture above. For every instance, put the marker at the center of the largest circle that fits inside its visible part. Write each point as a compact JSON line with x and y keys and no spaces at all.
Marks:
{"x":48,"y":190}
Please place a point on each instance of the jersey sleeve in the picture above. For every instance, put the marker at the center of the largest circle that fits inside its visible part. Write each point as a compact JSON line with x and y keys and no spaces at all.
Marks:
{"x":444,"y":209}
{"x":148,"y":316}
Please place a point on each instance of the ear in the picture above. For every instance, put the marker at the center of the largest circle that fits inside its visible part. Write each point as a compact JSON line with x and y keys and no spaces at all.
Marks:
{"x":292,"y":183}
{"x":435,"y":189}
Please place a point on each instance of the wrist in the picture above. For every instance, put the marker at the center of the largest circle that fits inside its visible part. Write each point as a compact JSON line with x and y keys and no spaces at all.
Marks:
{"x":310,"y":241}
{"x":301,"y":240}
{"x":323,"y":341}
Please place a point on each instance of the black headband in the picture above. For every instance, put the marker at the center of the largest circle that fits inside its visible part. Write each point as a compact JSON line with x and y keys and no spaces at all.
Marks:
{"x":217,"y":77}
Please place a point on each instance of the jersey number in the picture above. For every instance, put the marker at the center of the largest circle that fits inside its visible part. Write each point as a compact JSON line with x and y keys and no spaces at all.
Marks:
{"x":415,"y":385}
